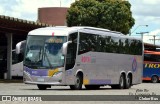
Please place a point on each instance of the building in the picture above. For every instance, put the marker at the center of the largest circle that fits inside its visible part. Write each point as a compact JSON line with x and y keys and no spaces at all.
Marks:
{"x":53,"y":15}
{"x":12,"y":31}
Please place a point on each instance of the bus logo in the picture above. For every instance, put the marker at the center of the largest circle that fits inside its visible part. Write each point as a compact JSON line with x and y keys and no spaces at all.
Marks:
{"x":134,"y":65}
{"x":85,"y":59}
{"x":152,"y":65}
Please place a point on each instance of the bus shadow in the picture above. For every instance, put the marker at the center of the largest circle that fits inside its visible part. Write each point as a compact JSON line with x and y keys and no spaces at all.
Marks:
{"x":68,"y":89}
{"x":149,"y":82}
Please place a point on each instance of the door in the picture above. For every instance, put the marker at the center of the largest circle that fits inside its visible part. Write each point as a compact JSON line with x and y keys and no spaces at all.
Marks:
{"x":71,"y":58}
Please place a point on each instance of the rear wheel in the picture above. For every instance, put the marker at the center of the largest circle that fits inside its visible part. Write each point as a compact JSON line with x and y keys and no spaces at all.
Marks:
{"x":121,"y":84}
{"x":154,"y":79}
{"x":78,"y":83}
{"x":128,"y":82}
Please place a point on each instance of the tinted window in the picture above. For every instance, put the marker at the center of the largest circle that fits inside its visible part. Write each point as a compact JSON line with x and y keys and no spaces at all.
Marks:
{"x":115,"y":44}
{"x":102,"y":43}
{"x":87,"y":43}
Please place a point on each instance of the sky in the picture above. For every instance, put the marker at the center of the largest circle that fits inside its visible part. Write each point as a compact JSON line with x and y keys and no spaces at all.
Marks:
{"x":145,"y":12}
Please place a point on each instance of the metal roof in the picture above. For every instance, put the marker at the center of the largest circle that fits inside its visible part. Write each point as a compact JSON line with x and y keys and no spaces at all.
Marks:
{"x":18,"y":26}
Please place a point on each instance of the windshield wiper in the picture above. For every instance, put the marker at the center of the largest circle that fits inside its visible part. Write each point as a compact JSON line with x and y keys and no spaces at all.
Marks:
{"x":48,"y":59}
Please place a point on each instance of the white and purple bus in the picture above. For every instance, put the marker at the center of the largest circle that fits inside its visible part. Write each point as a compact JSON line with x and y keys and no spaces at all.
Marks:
{"x":77,"y":56}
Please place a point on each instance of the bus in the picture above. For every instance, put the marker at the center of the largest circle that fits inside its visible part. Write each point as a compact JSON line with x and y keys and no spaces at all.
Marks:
{"x":17,"y":64}
{"x":17,"y":61}
{"x":151,"y":68}
{"x":77,"y":56}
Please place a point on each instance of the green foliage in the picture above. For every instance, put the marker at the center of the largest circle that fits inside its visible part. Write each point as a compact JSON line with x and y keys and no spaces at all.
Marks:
{"x":110,"y":14}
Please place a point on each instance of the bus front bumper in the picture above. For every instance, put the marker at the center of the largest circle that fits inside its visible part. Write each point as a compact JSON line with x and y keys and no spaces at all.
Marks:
{"x":46,"y":80}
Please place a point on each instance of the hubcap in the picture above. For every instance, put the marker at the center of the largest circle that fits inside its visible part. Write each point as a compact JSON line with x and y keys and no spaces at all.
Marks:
{"x":154,"y":79}
{"x":128,"y":81}
{"x":77,"y":82}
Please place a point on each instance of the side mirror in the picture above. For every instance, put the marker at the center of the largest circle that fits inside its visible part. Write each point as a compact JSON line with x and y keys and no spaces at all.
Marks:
{"x":20,"y":47}
{"x":64,"y":47}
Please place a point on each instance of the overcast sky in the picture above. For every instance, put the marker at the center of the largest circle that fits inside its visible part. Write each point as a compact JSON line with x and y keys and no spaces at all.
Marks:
{"x":145,"y":12}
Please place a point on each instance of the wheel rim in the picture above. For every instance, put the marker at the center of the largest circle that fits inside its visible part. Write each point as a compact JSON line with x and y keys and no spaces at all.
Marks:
{"x":154,"y":79}
{"x":121,"y":82}
{"x":77,"y":82}
{"x":128,"y":81}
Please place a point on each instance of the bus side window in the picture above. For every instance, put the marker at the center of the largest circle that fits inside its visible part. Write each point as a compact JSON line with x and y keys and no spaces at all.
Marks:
{"x":87,"y":42}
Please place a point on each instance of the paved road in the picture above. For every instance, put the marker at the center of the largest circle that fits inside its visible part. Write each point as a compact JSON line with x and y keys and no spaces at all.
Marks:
{"x":23,"y":89}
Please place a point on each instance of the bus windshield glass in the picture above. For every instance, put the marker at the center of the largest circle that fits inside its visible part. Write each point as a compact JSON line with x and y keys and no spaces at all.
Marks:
{"x":44,"y":52}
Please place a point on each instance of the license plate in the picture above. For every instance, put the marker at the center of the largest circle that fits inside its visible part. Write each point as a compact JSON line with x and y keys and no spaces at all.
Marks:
{"x":40,"y":79}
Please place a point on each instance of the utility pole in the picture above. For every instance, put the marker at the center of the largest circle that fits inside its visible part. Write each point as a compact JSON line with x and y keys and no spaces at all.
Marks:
{"x":142,"y":33}
{"x":154,"y":39}
{"x":60,"y":3}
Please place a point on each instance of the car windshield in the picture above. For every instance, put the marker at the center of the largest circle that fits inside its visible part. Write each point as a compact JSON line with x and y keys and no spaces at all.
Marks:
{"x":44,"y":52}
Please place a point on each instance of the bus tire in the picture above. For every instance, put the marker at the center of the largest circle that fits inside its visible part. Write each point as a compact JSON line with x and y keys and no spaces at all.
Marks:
{"x":154,"y":79}
{"x":42,"y":87}
{"x":78,"y":84}
{"x":128,"y":82}
{"x":92,"y":87}
{"x":121,"y":84}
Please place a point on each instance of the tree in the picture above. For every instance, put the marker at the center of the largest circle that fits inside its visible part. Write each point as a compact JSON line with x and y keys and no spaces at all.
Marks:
{"x":110,"y":14}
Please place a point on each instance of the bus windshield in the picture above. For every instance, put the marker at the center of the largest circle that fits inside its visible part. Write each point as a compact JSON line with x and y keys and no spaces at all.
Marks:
{"x":44,"y":52}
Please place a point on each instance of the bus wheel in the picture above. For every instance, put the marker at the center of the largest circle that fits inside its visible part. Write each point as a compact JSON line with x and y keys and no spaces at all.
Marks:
{"x":42,"y":87}
{"x":78,"y":83}
{"x":154,"y":79}
{"x":92,"y":87}
{"x":128,"y":82}
{"x":121,"y":82}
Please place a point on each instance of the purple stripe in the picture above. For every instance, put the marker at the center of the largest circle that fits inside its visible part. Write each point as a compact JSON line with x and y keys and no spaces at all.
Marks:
{"x":100,"y":81}
{"x":36,"y":72}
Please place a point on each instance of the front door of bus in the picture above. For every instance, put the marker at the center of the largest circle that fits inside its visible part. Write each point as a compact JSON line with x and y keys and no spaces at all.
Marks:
{"x":71,"y":58}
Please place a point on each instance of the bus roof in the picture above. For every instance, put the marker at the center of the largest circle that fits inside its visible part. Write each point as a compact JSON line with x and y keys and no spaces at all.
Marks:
{"x":65,"y":31}
{"x":50,"y":31}
{"x":151,"y":45}
{"x":151,"y":52}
